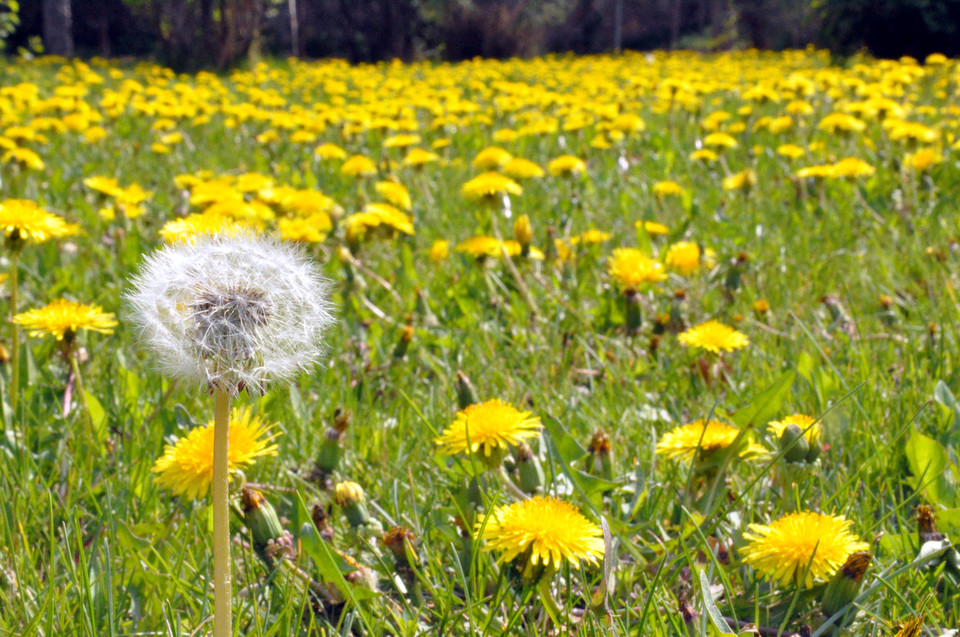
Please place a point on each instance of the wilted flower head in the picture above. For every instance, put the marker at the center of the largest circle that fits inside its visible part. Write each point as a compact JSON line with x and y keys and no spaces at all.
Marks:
{"x":231,"y":312}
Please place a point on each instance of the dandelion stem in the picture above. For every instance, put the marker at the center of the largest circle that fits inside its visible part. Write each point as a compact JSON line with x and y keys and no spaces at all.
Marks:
{"x":75,"y":365}
{"x":15,"y":336}
{"x":549,"y":603}
{"x":221,"y":517}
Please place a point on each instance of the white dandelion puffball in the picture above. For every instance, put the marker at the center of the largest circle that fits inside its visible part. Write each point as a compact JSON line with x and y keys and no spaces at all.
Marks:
{"x":231,"y":312}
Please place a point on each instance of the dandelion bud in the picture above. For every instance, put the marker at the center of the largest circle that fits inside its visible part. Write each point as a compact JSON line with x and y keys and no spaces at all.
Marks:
{"x":361,"y":576}
{"x":794,"y":444}
{"x":466,"y":394}
{"x":927,"y":525}
{"x":349,"y":496}
{"x":523,"y":233}
{"x":529,"y":470}
{"x":269,"y":539}
{"x":422,"y":309}
{"x":402,"y":544}
{"x":321,"y":519}
{"x":690,"y":617}
{"x":845,"y":584}
{"x":330,"y":451}
{"x":404,"y":343}
{"x":601,"y":460}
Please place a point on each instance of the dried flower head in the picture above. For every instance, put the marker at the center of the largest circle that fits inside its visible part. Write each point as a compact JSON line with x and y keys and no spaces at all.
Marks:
{"x":231,"y":312}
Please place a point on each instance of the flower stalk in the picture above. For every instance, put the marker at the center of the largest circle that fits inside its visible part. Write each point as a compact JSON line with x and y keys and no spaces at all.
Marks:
{"x":222,"y":619}
{"x":15,"y":335}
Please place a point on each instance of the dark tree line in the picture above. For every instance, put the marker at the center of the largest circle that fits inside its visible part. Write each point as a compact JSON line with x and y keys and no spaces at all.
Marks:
{"x":190,"y":34}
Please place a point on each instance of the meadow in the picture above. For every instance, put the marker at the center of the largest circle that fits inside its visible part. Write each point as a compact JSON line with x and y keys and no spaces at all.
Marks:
{"x":654,"y":344}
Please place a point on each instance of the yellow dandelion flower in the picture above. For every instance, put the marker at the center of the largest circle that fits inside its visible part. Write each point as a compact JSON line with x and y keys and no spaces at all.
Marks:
{"x":520,"y":168}
{"x":812,"y":434}
{"x":590,"y":237}
{"x":653,"y":228}
{"x":105,"y":185}
{"x":312,"y":229}
{"x":395,"y":193}
{"x":482,"y":246}
{"x":566,"y":166}
{"x":489,"y":186}
{"x":720,"y":141}
{"x":196,"y":225}
{"x":704,"y":155}
{"x":800,"y":543}
{"x":922,"y":160}
{"x":851,"y":167}
{"x":714,"y":337}
{"x":401,"y":141}
{"x":488,"y":427}
{"x":684,"y":257}
{"x":698,"y":440}
{"x":542,"y":532}
{"x":632,"y":269}
{"x":440,"y":250}
{"x":837,"y":123}
{"x":417,"y":157}
{"x":25,"y":157}
{"x":62,"y":319}
{"x":358,"y":166}
{"x":23,"y":220}
{"x":330,"y":151}
{"x":663,"y":189}
{"x":186,"y":468}
{"x":743,"y":180}
{"x":790,"y":151}
{"x":491,"y":158}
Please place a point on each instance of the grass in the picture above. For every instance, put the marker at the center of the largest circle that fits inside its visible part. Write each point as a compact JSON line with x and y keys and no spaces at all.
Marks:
{"x":92,"y":546}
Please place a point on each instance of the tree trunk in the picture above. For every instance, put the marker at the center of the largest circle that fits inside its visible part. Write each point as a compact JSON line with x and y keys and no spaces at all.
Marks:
{"x":57,"y":27}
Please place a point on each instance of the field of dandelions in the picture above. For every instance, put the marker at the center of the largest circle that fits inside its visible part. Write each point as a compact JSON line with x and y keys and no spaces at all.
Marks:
{"x":658,"y":344}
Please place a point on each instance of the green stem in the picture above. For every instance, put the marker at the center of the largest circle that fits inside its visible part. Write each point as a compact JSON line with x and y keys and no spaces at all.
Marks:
{"x":510,"y":485}
{"x":75,"y":365}
{"x":549,"y":603}
{"x":15,"y":337}
{"x":221,"y":517}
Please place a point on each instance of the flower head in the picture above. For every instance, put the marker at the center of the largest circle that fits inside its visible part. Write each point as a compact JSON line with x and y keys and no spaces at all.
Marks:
{"x":699,"y":439}
{"x":714,"y":337}
{"x":800,"y":547}
{"x":566,"y":166}
{"x":486,"y":427}
{"x":542,"y":531}
{"x":684,"y":257}
{"x":631,"y":269}
{"x":231,"y":312}
{"x":812,"y":434}
{"x":491,"y":185}
{"x":62,"y":319}
{"x":186,"y":467}
{"x":23,"y":221}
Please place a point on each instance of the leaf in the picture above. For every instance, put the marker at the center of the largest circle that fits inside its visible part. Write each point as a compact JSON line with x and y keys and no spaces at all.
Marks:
{"x":97,"y":414}
{"x":331,"y":566}
{"x":766,"y":404}
{"x":943,"y":395}
{"x":716,"y":617}
{"x":928,"y":462}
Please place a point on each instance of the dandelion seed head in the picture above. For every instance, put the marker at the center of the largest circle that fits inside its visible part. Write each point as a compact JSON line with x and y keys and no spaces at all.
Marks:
{"x":231,"y":312}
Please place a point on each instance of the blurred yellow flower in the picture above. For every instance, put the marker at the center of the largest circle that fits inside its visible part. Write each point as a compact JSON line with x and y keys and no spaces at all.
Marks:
{"x":62,"y":319}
